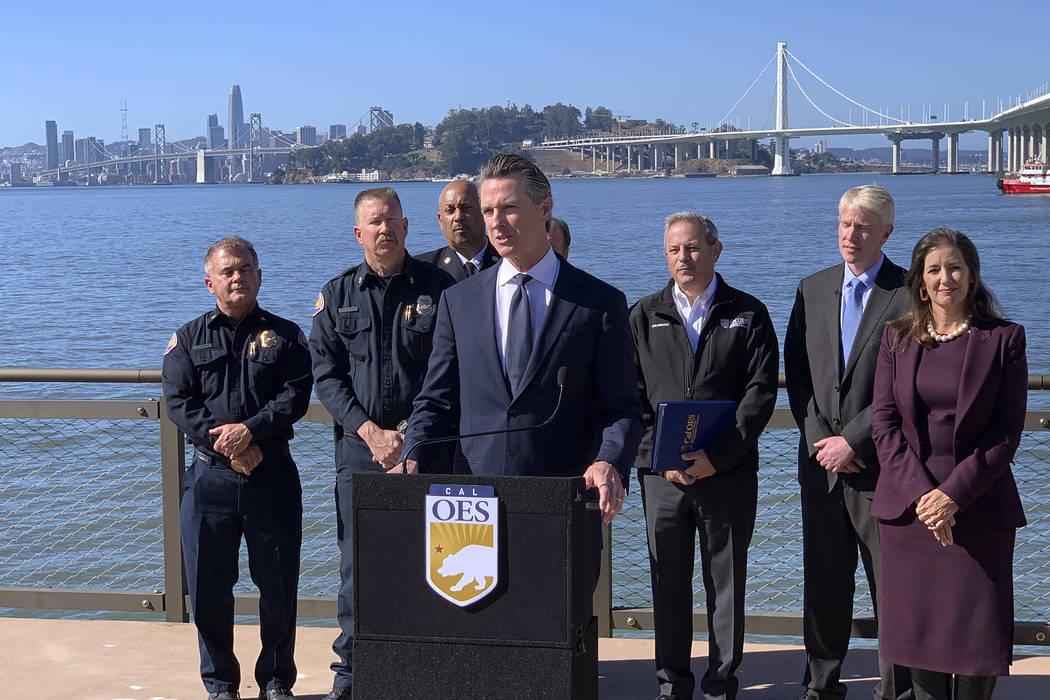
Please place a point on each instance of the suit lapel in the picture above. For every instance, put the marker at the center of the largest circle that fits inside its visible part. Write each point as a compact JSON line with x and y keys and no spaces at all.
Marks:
{"x":976,"y":363}
{"x":453,"y":266}
{"x":874,"y":313}
{"x":558,"y":314}
{"x":486,"y":331}
{"x":833,"y":311}
{"x":908,"y":395}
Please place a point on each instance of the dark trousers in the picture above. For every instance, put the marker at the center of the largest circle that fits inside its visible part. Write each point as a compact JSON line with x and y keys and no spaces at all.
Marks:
{"x":932,"y":685}
{"x":722,"y":509}
{"x":835,"y":526}
{"x":220,"y":506}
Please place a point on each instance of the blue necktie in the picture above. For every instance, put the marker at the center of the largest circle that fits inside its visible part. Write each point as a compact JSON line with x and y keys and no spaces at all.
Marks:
{"x":852,"y":310}
{"x":519,"y":333}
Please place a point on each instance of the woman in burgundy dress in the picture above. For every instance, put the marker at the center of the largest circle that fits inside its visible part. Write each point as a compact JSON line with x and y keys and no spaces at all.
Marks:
{"x":948,"y":409}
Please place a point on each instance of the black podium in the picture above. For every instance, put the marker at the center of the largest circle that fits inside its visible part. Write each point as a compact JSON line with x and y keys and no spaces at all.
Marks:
{"x":531,"y":633}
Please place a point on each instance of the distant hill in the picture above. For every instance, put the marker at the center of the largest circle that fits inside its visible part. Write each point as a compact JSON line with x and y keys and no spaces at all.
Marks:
{"x":922,"y":156}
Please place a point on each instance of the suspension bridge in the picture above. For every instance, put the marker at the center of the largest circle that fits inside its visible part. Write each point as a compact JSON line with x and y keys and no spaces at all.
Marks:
{"x":1026,"y":123}
{"x":260,"y":142}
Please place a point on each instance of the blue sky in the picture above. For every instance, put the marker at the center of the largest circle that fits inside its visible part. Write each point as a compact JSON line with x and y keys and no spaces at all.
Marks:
{"x":320,"y":62}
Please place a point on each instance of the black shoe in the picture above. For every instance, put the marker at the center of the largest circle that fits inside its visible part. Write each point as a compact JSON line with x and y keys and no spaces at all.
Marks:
{"x":225,"y":695}
{"x":343,"y":693}
{"x":276,"y":694}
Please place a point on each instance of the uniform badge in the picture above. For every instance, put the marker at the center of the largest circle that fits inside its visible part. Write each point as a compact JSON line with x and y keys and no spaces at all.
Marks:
{"x":319,"y":304}
{"x":302,"y":340}
{"x":462,"y":522}
{"x":268,"y":339}
{"x":425,"y":305}
{"x":172,"y":343}
{"x":447,"y":260}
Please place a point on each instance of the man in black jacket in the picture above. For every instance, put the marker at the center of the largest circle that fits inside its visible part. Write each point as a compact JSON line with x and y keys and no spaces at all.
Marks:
{"x":468,"y":250}
{"x":699,"y":338}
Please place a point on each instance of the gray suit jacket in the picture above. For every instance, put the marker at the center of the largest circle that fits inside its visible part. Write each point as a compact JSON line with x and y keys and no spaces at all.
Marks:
{"x":823,"y":403}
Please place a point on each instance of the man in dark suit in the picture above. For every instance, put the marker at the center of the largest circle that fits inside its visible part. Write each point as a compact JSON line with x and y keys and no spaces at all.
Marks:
{"x":502,"y":339}
{"x":830,"y":353}
{"x":459,"y":215}
{"x":699,"y":338}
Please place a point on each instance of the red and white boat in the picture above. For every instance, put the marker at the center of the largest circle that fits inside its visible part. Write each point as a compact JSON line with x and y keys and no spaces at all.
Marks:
{"x":1034,"y":178}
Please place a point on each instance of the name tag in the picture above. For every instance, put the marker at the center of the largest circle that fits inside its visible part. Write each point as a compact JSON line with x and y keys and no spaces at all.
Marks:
{"x":660,"y":325}
{"x":348,"y":309}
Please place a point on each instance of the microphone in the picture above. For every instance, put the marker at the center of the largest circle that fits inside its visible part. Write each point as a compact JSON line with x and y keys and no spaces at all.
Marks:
{"x":563,"y":374}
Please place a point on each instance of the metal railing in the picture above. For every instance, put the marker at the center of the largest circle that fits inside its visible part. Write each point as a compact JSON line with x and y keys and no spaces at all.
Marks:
{"x":89,"y":501}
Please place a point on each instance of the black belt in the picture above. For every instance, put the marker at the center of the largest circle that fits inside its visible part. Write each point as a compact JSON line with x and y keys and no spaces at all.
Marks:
{"x":212,"y":460}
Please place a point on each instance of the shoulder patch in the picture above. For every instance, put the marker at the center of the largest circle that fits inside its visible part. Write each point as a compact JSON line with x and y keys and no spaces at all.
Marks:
{"x":172,"y":343}
{"x":319,"y":304}
{"x":302,"y":340}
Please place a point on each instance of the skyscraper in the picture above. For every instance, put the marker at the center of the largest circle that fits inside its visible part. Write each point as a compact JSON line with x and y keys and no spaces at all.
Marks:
{"x":67,"y":147}
{"x":213,"y":134}
{"x":145,"y":138}
{"x":52,"y":144}
{"x":236,"y":132}
{"x":337,"y":131}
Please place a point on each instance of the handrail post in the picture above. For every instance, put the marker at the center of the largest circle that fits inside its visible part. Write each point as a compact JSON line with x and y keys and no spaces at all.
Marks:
{"x":602,"y":599}
{"x":172,"y":466}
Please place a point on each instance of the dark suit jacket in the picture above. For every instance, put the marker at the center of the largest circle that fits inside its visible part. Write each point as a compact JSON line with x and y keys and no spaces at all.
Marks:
{"x":446,"y":259}
{"x":823,"y":403}
{"x":585,"y":331}
{"x":989,"y":418}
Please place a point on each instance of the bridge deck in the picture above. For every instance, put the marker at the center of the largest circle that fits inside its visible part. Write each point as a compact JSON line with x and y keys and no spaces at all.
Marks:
{"x":107,"y":660}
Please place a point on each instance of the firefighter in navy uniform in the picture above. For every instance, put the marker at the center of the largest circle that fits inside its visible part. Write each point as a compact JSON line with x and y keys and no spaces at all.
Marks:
{"x":370,"y":344}
{"x":235,"y":380}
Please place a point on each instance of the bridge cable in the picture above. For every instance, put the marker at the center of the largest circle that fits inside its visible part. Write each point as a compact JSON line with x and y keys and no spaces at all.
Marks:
{"x":802,"y":90}
{"x":845,"y":97}
{"x":723,"y":119}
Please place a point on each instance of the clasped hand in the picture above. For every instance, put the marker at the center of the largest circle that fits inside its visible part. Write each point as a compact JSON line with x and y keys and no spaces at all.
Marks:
{"x":937,"y":512}
{"x":234,"y":441}
{"x":836,"y":455}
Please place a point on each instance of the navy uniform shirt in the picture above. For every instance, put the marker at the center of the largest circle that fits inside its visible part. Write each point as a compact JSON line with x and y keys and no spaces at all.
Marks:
{"x":256,"y":372}
{"x":371,"y":341}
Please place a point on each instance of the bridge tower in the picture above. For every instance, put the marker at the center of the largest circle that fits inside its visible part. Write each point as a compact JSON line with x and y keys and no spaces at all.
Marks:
{"x":782,"y":157}
{"x":255,"y":159}
{"x":159,"y":143}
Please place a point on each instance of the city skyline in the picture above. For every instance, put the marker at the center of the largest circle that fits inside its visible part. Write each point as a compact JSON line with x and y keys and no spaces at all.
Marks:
{"x":328,"y":66}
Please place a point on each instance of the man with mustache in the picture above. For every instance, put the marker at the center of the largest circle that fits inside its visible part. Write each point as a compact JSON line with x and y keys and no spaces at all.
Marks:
{"x":700,"y":339}
{"x":370,"y":343}
{"x":459,"y":215}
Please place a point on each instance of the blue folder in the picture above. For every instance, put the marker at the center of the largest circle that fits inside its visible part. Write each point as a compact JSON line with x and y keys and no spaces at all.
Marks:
{"x":687,"y":426}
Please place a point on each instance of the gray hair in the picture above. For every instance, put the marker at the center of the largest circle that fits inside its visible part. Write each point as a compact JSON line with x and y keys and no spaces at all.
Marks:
{"x":231,"y":243}
{"x":696,"y":219}
{"x":509,"y":164}
{"x":873,"y":198}
{"x":387,"y":195}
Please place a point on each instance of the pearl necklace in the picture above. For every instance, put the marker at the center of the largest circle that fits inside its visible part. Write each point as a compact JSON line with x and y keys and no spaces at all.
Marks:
{"x":945,"y":337}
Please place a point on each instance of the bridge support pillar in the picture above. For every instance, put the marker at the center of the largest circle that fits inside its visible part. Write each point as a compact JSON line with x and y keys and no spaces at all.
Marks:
{"x":656,"y":157}
{"x":782,"y":157}
{"x":895,"y":139}
{"x":1046,"y":142}
{"x":676,"y":156}
{"x":935,"y":153}
{"x":641,"y":155}
{"x":1026,"y":146}
{"x":953,"y":153}
{"x":995,"y":151}
{"x":1011,"y":148}
{"x":594,"y":159}
{"x":628,"y":159}
{"x":712,"y":149}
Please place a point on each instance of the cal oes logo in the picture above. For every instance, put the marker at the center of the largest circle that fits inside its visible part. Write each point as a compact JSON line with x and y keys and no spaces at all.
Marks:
{"x":462,"y":524}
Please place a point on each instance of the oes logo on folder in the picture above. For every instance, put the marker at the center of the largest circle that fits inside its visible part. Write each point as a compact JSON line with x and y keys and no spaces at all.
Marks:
{"x":462,"y":564}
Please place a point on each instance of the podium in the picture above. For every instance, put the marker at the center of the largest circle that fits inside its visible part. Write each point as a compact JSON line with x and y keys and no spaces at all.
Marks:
{"x":530,"y":633}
